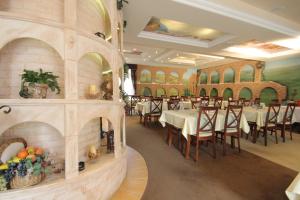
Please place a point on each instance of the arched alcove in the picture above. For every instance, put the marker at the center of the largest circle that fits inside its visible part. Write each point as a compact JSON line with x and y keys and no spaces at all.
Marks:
{"x":203,"y":78}
{"x":215,"y":77}
{"x":173,"y":92}
{"x":145,"y":76}
{"x":93,"y":17}
{"x":229,"y":75}
{"x":160,"y":92}
{"x":228,"y":93}
{"x":29,"y":54}
{"x":173,"y":78}
{"x":214,"y":92}
{"x":94,"y":77}
{"x":247,"y":74}
{"x":246,"y":93}
{"x":268,"y":94}
{"x":146,"y":91}
{"x":202,"y":92}
{"x":160,"y":77}
{"x":36,"y":9}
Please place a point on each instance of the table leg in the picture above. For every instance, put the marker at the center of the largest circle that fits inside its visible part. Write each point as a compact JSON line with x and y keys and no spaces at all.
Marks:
{"x":188,"y":146}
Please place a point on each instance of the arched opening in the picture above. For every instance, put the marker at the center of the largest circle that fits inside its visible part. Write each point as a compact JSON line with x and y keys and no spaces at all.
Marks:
{"x":145,"y":76}
{"x":203,"y":78}
{"x":146,"y":91}
{"x":228,"y":93}
{"x":173,"y":92}
{"x":95,"y":79}
{"x":96,"y":138}
{"x":246,"y":93}
{"x":202,"y":92}
{"x":30,"y":54}
{"x":173,"y":78}
{"x":215,"y":77}
{"x":160,"y":92}
{"x":247,"y":74}
{"x":229,"y":75}
{"x":268,"y":94}
{"x":160,"y":77}
{"x":95,"y":13}
{"x":214,"y":92}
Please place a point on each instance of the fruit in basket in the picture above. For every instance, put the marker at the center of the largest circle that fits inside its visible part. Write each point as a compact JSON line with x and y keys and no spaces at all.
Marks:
{"x":16,"y":159}
{"x":3,"y":184}
{"x":30,"y":150}
{"x":3,"y":167}
{"x":39,"y":151}
{"x":22,"y":154}
{"x":31,"y":157}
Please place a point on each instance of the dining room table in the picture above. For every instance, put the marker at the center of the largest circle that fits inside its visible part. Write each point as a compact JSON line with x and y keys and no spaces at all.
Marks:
{"x":293,"y":191}
{"x":186,"y":120}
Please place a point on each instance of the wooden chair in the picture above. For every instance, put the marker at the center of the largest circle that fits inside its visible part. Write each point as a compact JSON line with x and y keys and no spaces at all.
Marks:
{"x":204,"y":101}
{"x":155,"y":110}
{"x":232,"y":126}
{"x":134,"y":99}
{"x":233,"y":102}
{"x":270,"y":123}
{"x":218,"y":102}
{"x":257,"y":101}
{"x":174,"y":104}
{"x":287,"y":121}
{"x":247,"y":103}
{"x":196,"y":104}
{"x":275,"y":101}
{"x":174,"y":97}
{"x":185,"y":98}
{"x":205,"y":131}
{"x":194,"y":98}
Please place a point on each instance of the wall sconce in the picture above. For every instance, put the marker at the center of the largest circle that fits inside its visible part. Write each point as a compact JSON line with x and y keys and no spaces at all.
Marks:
{"x":93,"y":93}
{"x":101,"y":35}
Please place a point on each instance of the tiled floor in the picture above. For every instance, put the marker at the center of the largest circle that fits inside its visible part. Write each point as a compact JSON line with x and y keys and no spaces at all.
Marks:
{"x":135,"y":182}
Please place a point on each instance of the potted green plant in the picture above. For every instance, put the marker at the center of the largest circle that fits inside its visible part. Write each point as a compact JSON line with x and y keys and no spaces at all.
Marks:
{"x":35,"y":84}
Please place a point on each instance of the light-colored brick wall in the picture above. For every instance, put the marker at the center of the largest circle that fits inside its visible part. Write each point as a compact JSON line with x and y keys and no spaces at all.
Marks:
{"x":28,"y":54}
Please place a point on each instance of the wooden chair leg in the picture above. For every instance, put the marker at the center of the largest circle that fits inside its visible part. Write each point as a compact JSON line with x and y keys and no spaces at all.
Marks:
{"x":266,"y":136}
{"x":291,"y":132}
{"x":214,"y":147}
{"x":224,"y":144}
{"x":283,"y":133}
{"x":197,"y":151}
{"x":187,"y":149}
{"x":276,"y":136}
{"x":239,"y":144}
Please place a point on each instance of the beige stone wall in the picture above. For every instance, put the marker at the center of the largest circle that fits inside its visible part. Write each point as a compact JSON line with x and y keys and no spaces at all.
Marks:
{"x":46,"y":9}
{"x":28,"y":54}
{"x":256,"y":86}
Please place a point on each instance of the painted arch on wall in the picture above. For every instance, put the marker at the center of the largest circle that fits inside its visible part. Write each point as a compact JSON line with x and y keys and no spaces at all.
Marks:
{"x":173,"y":78}
{"x":228,"y":93}
{"x":214,"y":92}
{"x":146,"y":91}
{"x":173,"y":92}
{"x":215,"y":77}
{"x":160,"y":92}
{"x":247,"y":74}
{"x":160,"y":77}
{"x":229,"y":75}
{"x":203,"y":78}
{"x":145,"y":76}
{"x":268,"y":94}
{"x":202,"y":92}
{"x":246,"y":93}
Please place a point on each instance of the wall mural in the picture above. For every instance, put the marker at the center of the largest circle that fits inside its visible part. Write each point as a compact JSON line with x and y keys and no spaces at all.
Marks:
{"x":146,"y":91}
{"x":214,"y":92}
{"x":202,"y":92}
{"x":285,"y":72}
{"x":189,"y":82}
{"x":173,"y":92}
{"x":228,"y":93}
{"x":267,"y":95}
{"x":160,"y":92}
{"x":247,"y":74}
{"x":229,"y":75}
{"x":160,"y":77}
{"x":215,"y":77}
{"x":203,"y":78}
{"x":145,"y":76}
{"x":245,"y":93}
{"x":173,"y":78}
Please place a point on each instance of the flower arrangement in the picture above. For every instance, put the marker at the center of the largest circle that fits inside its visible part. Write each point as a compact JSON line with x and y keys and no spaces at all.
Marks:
{"x":27,"y":168}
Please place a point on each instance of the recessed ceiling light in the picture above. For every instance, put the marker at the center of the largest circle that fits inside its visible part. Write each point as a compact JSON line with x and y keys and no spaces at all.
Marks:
{"x":156,"y":52}
{"x":169,"y":58}
{"x":149,"y":56}
{"x":292,"y":43}
{"x":134,"y":49}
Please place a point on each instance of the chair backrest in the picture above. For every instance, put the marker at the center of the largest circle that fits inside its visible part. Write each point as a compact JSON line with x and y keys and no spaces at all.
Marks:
{"x":218,"y":102}
{"x":195,"y":98}
{"x":204,"y":101}
{"x":147,"y":98}
{"x":156,"y":105}
{"x":206,"y":121}
{"x":289,"y":112}
{"x":233,"y":118}
{"x":185,"y":98}
{"x":247,"y":102}
{"x":164,"y":96}
{"x":272,"y":114}
{"x":196,"y":104}
{"x":174,"y":104}
{"x":257,"y":101}
{"x":233,"y":102}
{"x":275,"y":101}
{"x":134,"y":99}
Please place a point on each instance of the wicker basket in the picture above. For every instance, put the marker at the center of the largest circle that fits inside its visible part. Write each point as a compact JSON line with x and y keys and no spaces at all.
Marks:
{"x":28,"y":180}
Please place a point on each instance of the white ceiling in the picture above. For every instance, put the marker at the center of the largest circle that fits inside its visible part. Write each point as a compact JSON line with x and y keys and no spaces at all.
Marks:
{"x":241,"y":19}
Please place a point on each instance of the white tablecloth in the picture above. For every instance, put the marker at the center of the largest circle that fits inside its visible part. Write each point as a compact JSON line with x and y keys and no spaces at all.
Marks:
{"x":293,"y":191}
{"x":259,"y":115}
{"x":144,"y":107}
{"x":187,"y":121}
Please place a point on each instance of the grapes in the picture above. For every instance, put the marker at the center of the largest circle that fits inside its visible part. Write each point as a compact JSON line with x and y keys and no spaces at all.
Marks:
{"x":21,"y":168}
{"x":10,"y":172}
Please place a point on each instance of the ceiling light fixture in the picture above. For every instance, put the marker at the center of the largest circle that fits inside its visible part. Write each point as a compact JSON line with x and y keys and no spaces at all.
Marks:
{"x":292,"y":43}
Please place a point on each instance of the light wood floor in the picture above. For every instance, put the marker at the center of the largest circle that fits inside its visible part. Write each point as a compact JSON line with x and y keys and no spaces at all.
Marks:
{"x":135,"y":183}
{"x":286,"y":154}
